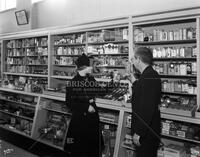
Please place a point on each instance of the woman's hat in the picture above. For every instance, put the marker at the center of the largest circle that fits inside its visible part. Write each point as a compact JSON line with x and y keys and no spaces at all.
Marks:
{"x":83,"y":60}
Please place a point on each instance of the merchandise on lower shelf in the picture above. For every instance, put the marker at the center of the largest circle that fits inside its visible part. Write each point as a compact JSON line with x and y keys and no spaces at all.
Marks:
{"x":179,"y":105}
{"x":180,"y":130}
{"x":27,"y":83}
{"x":109,"y":136}
{"x":54,"y":130}
{"x":179,"y":86}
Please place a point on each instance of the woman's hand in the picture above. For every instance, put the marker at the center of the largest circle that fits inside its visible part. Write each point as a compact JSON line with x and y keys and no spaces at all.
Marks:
{"x":91,"y":109}
{"x":136,"y":139}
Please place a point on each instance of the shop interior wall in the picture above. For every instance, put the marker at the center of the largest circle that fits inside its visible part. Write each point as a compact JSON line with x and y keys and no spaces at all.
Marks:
{"x":52,"y":13}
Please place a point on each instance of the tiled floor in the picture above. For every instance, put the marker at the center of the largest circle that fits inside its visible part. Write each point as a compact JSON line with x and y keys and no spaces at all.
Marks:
{"x":9,"y":150}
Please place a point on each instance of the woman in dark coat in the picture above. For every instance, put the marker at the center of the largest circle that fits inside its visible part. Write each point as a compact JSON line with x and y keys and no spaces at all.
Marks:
{"x":84,"y":138}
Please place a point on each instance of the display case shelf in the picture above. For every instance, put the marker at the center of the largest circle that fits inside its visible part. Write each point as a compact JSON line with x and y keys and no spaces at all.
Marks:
{"x":19,"y":92}
{"x":177,"y":76}
{"x":37,"y":55}
{"x":18,"y":102}
{"x":166,"y":42}
{"x":23,"y":74}
{"x":75,"y":44}
{"x":61,"y":112}
{"x":175,"y":59}
{"x":66,"y":55}
{"x":108,"y":122}
{"x":36,"y":64}
{"x":10,"y":128}
{"x":106,"y":42}
{"x":15,"y":56}
{"x":12,"y":114}
{"x":62,"y":77}
{"x":50,"y":144}
{"x":127,"y":147}
{"x":191,"y":120}
{"x":111,"y":54}
{"x":181,"y":138}
{"x":178,"y":93}
{"x":64,"y":65}
{"x":112,"y":67}
{"x":29,"y":46}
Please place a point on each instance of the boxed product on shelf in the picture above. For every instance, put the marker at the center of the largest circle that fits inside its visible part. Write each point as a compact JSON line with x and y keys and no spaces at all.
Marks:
{"x":178,"y":105}
{"x":174,"y":150}
{"x":108,"y":116}
{"x":160,"y":153}
{"x":128,"y":121}
{"x":159,"y":34}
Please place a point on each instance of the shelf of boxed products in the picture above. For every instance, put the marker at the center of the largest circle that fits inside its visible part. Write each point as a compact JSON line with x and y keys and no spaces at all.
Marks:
{"x":33,"y":105}
{"x":178,"y":93}
{"x":192,"y":120}
{"x":181,"y":131}
{"x":107,"y":42}
{"x":177,"y":76}
{"x":67,"y":47}
{"x":30,"y":57}
{"x":19,"y":92}
{"x":65,"y":65}
{"x":25,"y":83}
{"x":169,"y":116}
{"x":70,"y":45}
{"x":166,"y":42}
{"x":180,"y":138}
{"x":105,"y":36}
{"x":24,"y":74}
{"x":62,"y":77}
{"x":174,"y":59}
{"x":110,"y":54}
{"x":95,"y":76}
{"x":179,"y":31}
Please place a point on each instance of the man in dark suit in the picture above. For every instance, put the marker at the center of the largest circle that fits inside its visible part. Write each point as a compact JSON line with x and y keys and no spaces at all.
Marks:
{"x":146,"y":93}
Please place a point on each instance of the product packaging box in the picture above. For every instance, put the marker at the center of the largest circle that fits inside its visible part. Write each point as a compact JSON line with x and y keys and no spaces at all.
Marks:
{"x":174,"y":151}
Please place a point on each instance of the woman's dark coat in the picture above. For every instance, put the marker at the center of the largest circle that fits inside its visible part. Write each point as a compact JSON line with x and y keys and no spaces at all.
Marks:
{"x":84,"y":133}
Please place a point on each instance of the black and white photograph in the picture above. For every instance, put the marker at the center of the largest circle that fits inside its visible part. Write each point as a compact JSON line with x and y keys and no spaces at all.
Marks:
{"x":99,"y":78}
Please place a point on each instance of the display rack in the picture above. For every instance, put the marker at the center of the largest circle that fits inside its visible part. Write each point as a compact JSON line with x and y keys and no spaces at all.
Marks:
{"x":175,"y":45}
{"x":104,"y":44}
{"x":25,"y":62}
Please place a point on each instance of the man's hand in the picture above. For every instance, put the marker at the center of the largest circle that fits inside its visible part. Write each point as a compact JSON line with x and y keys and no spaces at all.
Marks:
{"x":136,"y":139}
{"x":91,"y":100}
{"x":131,"y":78}
{"x":91,"y":109}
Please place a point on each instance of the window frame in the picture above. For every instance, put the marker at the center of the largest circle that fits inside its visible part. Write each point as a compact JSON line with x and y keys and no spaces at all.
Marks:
{"x":6,"y":8}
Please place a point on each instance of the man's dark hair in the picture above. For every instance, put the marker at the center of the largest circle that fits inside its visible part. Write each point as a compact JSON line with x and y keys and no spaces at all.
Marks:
{"x":145,"y":55}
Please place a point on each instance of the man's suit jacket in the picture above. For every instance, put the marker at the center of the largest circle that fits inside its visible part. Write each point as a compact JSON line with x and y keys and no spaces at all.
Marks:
{"x":145,"y":101}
